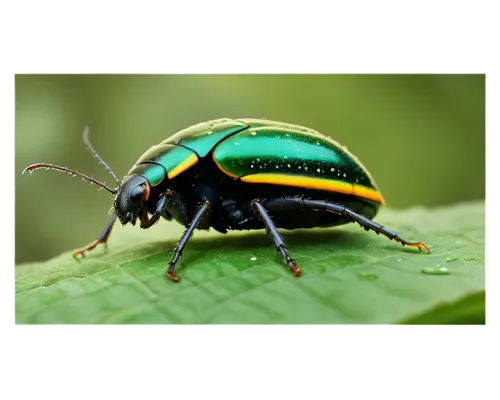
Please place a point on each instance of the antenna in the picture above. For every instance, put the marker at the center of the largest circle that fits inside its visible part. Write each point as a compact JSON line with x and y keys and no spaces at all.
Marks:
{"x":72,"y":172}
{"x":89,"y":147}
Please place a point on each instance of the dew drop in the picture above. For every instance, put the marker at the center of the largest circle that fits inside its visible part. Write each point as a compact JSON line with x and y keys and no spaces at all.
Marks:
{"x":289,"y":166}
{"x":332,"y":169}
{"x":318,"y":170}
{"x":368,"y":277}
{"x":305,"y":168}
{"x":254,"y":259}
{"x":436,"y":271}
{"x":254,"y":133}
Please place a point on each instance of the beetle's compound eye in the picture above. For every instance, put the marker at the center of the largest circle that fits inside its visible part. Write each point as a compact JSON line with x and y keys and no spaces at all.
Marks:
{"x":137,"y":195}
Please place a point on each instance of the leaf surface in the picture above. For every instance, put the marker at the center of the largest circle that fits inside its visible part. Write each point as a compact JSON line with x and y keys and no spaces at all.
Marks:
{"x":349,"y":276}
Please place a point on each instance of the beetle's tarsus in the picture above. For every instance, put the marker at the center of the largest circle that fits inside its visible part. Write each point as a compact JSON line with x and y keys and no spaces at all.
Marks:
{"x":172,"y":276}
{"x":420,"y":245}
{"x":90,"y":247}
{"x":295,"y":270}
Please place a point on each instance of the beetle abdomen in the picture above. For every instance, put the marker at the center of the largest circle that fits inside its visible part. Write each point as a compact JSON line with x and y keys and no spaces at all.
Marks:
{"x":288,"y":155}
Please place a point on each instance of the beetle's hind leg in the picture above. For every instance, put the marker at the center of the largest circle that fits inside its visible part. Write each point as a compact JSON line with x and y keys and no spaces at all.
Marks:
{"x":276,"y":237}
{"x":366,"y":223}
{"x":102,"y":238}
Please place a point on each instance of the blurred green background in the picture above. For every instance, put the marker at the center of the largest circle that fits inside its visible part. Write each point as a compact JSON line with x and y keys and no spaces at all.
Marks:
{"x":421,"y":136}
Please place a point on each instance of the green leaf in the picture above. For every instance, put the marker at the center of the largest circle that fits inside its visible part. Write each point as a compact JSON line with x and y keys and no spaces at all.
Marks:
{"x":470,"y":309}
{"x":348,"y":276}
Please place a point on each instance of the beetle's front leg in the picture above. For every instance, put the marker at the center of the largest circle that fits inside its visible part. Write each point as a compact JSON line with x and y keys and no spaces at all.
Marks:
{"x":148,"y":222}
{"x":102,"y":238}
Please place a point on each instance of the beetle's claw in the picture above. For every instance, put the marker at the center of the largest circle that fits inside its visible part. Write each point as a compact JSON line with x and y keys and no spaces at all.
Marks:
{"x":291,"y":265}
{"x":420,"y":245}
{"x":172,"y":276}
{"x":90,"y":247}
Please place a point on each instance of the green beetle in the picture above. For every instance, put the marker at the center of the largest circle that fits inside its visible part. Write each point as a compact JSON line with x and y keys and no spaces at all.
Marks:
{"x":240,"y":174}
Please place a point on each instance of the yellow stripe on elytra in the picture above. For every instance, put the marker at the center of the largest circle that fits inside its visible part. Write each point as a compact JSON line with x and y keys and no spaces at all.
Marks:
{"x":317,"y":183}
{"x":187,"y":163}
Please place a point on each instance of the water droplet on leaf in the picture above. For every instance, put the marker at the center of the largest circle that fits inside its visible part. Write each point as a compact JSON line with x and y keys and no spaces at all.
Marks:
{"x":436,"y":271}
{"x":368,"y":277}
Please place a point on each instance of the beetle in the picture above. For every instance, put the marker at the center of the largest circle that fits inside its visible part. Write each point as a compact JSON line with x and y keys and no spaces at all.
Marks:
{"x":242,"y":174}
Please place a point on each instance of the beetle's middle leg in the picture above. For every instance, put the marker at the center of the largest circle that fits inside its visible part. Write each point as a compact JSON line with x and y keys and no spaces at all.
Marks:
{"x":276,"y":237}
{"x":204,"y":208}
{"x":102,"y":238}
{"x":368,"y":224}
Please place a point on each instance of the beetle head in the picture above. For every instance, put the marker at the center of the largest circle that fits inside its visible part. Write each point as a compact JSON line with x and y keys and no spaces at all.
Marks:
{"x":131,"y":198}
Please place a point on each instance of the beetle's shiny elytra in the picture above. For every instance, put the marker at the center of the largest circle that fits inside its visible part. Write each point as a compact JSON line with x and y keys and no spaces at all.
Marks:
{"x":244,"y":174}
